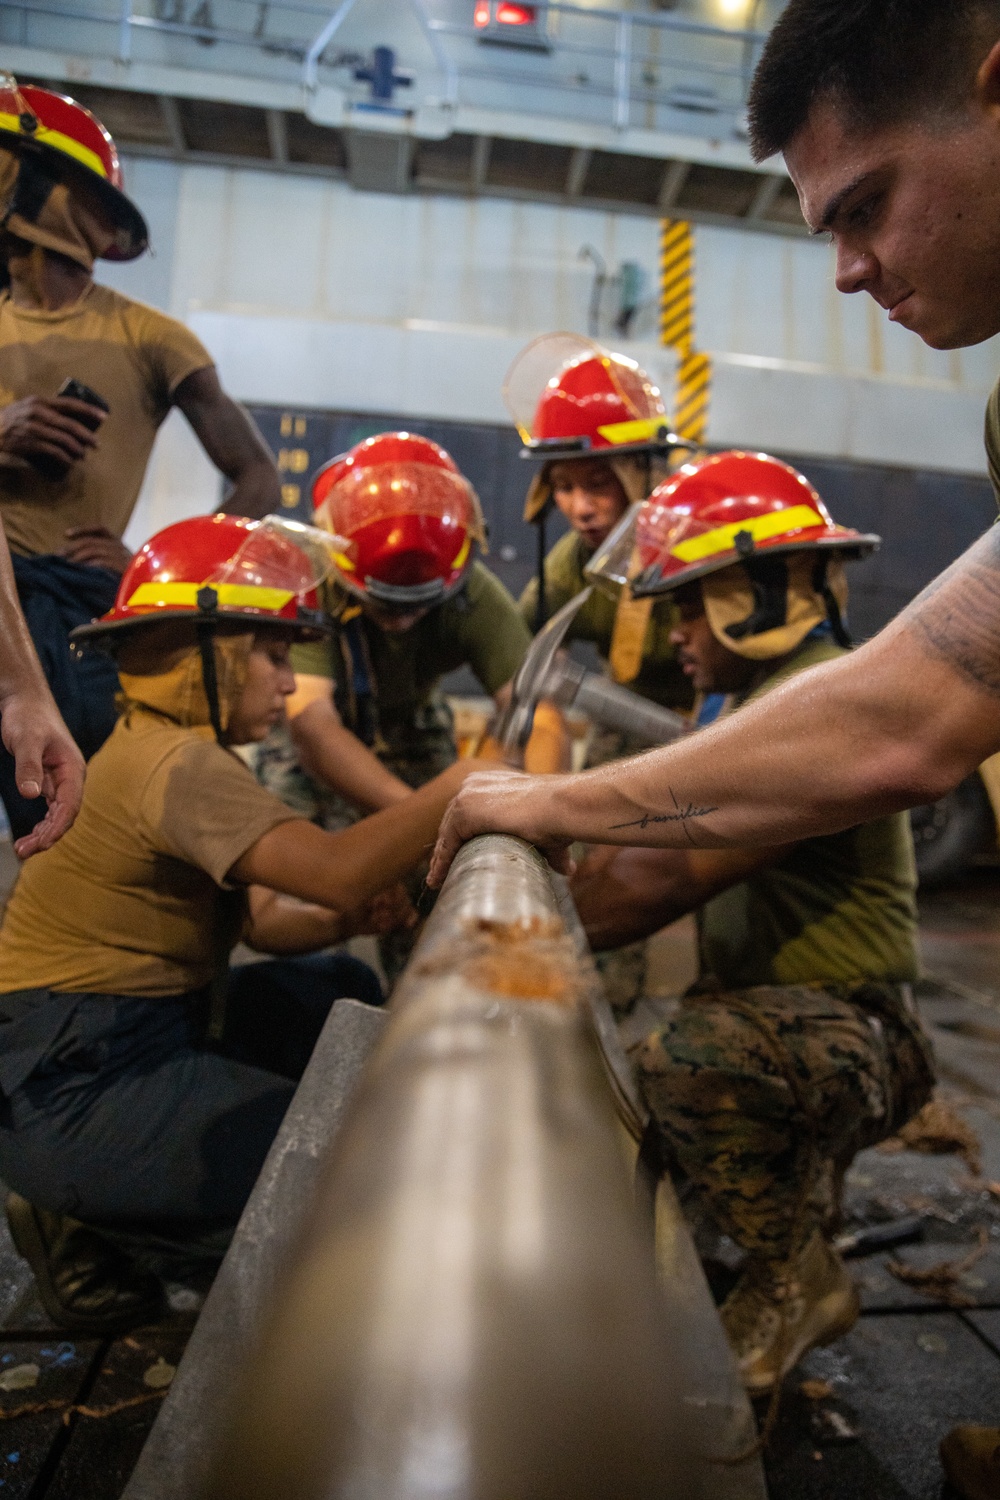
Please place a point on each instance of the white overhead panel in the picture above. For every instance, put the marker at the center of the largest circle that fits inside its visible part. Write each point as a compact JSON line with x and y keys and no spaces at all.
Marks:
{"x":641,"y":107}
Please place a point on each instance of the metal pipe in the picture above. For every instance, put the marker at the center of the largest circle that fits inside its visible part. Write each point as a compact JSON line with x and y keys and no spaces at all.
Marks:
{"x":321,"y":41}
{"x":623,"y":70}
{"x":473,"y":1312}
{"x":125,"y":32}
{"x":441,"y":57}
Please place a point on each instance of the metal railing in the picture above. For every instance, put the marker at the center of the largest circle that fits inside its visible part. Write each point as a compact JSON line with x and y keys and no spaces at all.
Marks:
{"x":473,"y":1310}
{"x":654,"y":70}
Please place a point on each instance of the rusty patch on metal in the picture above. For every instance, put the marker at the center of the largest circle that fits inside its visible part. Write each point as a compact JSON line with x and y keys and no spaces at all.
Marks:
{"x":532,"y":959}
{"x":527,"y":960}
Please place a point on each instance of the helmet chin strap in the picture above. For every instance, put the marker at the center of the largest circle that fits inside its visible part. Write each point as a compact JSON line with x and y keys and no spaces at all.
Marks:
{"x":821,"y":584}
{"x":208,"y":600}
{"x":769,"y":581}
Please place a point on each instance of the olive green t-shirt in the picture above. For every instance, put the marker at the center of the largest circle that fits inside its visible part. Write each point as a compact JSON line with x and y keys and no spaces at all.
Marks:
{"x":478,"y":627}
{"x":660,"y":677}
{"x":133,"y":356}
{"x":992,"y":437}
{"x":836,"y":909}
{"x":133,"y":900}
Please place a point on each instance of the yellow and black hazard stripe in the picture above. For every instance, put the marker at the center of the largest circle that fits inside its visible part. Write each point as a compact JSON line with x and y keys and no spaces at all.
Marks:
{"x":677,"y":309}
{"x":677,"y":285}
{"x":694,"y":390}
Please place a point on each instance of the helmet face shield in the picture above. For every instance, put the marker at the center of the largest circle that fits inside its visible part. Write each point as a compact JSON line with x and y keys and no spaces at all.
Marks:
{"x":566,"y":391}
{"x":538,"y":363}
{"x":408,"y":516}
{"x":725,"y":509}
{"x":223,"y":570}
{"x":613,"y":564}
{"x":281,"y":557}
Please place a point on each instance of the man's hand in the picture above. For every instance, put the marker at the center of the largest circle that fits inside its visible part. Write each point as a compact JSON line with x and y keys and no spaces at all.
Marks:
{"x":96,"y":547}
{"x":47,"y":763}
{"x":36,"y":427}
{"x":497,"y":802}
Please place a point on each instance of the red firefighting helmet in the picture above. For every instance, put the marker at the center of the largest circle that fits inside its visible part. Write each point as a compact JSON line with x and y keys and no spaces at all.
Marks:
{"x":411,"y":515}
{"x":66,"y":136}
{"x":569,"y":397}
{"x":716,"y":511}
{"x":222,"y":570}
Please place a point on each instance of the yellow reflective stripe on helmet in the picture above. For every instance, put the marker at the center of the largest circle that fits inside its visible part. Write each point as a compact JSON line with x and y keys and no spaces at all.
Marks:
{"x":230,"y":595}
{"x":58,"y":141}
{"x":462,"y":553}
{"x":632,"y":432}
{"x":761,"y":528}
{"x":343,"y":562}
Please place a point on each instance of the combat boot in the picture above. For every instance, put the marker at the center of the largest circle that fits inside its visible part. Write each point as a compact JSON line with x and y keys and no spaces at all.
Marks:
{"x":86,"y":1285}
{"x":970,"y":1457}
{"x":780,"y":1308}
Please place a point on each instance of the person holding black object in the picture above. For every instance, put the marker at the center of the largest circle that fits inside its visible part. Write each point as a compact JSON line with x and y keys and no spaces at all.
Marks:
{"x":87,"y":376}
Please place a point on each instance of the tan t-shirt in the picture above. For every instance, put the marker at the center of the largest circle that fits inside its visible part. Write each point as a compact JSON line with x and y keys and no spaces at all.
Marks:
{"x":133,"y":356}
{"x":132,"y":900}
{"x":993,"y":439}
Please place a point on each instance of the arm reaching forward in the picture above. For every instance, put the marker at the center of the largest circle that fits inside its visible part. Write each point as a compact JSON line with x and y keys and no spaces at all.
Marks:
{"x":344,"y":871}
{"x":896,"y":723}
{"x":331,"y":754}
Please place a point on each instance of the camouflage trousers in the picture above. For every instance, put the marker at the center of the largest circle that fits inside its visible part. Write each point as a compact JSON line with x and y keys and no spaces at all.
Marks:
{"x":275,"y":763}
{"x":761,"y":1098}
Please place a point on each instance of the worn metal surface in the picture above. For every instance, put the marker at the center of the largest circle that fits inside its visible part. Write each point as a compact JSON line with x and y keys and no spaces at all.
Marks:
{"x":474,"y":1309}
{"x":891,"y":1388}
{"x":174,"y":1461}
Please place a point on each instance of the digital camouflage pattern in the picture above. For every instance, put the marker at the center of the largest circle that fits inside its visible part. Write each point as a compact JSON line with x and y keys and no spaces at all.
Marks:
{"x":762,"y":1097}
{"x":797,"y":1047}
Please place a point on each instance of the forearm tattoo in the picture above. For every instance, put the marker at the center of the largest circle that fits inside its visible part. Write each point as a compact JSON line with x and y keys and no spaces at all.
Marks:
{"x":959,"y":613}
{"x":680,"y":814}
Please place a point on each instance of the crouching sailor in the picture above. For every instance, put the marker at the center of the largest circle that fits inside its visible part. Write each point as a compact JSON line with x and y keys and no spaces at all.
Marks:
{"x":799,"y":1044}
{"x":141,"y":1080}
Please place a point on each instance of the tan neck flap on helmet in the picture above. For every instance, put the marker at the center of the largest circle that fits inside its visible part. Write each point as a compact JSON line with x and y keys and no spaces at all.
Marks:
{"x":67,"y":222}
{"x":730,"y":599}
{"x":171,"y":682}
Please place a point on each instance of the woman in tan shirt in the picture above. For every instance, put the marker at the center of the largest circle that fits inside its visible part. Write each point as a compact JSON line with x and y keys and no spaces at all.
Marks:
{"x":116,"y":1110}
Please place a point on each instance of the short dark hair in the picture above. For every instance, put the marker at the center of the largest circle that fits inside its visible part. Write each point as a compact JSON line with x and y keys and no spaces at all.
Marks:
{"x":880,"y":61}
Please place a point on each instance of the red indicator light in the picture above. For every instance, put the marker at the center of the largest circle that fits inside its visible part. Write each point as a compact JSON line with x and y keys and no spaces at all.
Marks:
{"x":515,"y":15}
{"x":481,"y":14}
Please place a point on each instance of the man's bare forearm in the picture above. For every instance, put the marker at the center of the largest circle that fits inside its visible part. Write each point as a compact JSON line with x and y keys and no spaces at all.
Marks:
{"x":897,"y":723}
{"x":256,"y":492}
{"x":623,"y":895}
{"x":20,"y":668}
{"x":233,"y":442}
{"x":46,"y":761}
{"x":819,"y":754}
